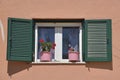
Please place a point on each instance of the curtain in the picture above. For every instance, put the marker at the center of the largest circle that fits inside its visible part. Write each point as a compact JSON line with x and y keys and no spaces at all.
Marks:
{"x":47,"y":34}
{"x":70,"y":40}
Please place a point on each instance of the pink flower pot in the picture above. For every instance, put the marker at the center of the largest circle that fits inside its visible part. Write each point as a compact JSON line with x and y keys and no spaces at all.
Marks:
{"x":45,"y":56}
{"x":73,"y":56}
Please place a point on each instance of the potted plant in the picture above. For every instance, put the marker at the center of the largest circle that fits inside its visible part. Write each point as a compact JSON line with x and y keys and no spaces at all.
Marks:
{"x":45,"y":54}
{"x":73,"y":55}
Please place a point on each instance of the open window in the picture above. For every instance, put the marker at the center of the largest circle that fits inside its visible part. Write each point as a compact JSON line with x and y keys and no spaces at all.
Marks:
{"x":64,"y":35}
{"x":90,"y":38}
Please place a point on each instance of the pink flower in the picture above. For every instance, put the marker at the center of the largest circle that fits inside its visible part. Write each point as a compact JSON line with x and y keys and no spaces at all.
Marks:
{"x":53,"y":46}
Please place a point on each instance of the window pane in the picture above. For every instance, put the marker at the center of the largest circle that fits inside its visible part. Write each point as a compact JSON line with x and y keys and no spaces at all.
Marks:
{"x":70,"y":40}
{"x":47,"y":34}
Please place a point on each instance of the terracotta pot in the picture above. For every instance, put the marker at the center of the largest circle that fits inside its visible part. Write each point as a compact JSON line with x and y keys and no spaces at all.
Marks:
{"x":73,"y":56}
{"x":45,"y":56}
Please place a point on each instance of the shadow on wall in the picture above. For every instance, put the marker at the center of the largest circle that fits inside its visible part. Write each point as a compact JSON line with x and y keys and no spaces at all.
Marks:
{"x":100,"y":65}
{"x":15,"y":67}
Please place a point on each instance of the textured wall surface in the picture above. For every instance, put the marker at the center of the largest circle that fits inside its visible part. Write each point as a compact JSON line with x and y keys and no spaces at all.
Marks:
{"x":88,"y":9}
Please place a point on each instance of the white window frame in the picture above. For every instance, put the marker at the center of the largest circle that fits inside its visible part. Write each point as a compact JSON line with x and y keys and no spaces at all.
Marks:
{"x":58,"y":41}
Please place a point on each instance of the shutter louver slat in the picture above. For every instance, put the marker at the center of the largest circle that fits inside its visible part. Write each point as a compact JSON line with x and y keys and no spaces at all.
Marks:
{"x":21,"y":44}
{"x":96,"y":40}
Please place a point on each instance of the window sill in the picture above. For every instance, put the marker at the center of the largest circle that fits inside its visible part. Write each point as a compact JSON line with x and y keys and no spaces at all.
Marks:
{"x":66,"y":63}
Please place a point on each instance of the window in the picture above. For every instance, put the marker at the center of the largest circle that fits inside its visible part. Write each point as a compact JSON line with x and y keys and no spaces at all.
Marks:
{"x":91,"y":38}
{"x":65,"y":35}
{"x":70,"y":39}
{"x":47,"y":34}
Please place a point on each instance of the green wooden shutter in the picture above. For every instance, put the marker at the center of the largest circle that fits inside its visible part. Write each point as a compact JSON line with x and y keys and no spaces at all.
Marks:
{"x":97,"y":40}
{"x":20,"y":39}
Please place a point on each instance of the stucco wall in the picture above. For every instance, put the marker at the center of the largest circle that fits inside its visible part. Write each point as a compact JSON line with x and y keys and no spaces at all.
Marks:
{"x":88,"y":9}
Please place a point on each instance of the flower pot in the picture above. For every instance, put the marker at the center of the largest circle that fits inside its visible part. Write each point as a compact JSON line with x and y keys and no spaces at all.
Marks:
{"x":45,"y":56}
{"x":73,"y":56}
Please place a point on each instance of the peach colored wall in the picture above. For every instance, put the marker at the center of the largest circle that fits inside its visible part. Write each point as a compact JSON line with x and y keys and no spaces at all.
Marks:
{"x":88,"y":9}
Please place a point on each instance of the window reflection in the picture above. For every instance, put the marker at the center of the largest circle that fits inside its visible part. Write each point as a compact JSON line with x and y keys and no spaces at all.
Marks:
{"x":70,"y":40}
{"x":48,"y":35}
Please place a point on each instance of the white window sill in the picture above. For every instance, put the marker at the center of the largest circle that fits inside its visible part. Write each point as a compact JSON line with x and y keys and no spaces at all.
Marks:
{"x":72,"y":63}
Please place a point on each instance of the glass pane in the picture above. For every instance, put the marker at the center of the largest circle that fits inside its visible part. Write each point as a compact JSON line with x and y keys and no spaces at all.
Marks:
{"x":47,"y":34}
{"x":70,"y":40}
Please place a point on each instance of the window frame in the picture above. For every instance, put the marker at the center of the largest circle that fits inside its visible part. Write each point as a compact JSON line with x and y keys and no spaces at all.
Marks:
{"x":58,"y":26}
{"x":54,"y":20}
